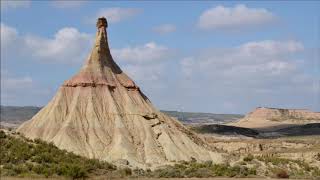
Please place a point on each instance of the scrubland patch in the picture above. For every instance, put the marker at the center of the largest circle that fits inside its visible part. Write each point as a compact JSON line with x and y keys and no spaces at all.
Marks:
{"x":21,"y":157}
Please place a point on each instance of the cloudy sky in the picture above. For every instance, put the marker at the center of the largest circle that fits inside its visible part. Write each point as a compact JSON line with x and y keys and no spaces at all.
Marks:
{"x":220,"y":57}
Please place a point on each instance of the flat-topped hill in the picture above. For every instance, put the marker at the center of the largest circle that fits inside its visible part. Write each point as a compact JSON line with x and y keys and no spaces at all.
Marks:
{"x":263,"y":117}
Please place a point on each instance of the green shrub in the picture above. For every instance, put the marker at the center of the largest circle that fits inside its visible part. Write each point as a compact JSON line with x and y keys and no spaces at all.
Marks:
{"x":202,"y":173}
{"x":220,"y":169}
{"x":76,"y":172}
{"x":20,"y":169}
{"x":38,"y":169}
{"x":124,"y":172}
{"x":2,"y":134}
{"x":274,"y":160}
{"x":248,"y":158}
{"x":8,"y":166}
{"x":315,"y":172}
{"x":208,"y":163}
{"x":242,"y":163}
{"x":168,"y":172}
{"x":8,"y":172}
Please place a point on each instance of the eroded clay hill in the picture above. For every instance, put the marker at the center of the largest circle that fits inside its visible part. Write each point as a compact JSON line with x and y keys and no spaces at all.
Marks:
{"x":278,"y":118}
{"x":101,"y":113}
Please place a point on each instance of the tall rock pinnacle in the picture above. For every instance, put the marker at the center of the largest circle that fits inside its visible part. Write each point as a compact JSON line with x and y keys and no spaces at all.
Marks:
{"x":100,"y":68}
{"x":102,"y":38}
{"x":101,"y":113}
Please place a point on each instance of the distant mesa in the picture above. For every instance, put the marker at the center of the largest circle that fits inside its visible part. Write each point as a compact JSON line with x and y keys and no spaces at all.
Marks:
{"x":277,"y":118}
{"x":101,"y":113}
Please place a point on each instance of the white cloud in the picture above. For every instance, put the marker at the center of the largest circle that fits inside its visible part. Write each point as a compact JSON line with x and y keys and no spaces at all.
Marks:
{"x":144,"y":63}
{"x":259,"y":73}
{"x":240,"y":16}
{"x":67,"y":46}
{"x":8,"y":35}
{"x":12,"y":44}
{"x":68,"y":4}
{"x":14,"y":4}
{"x":146,"y":53}
{"x":222,"y":80}
{"x":265,"y":73}
{"x":143,"y":73}
{"x":265,"y":58}
{"x":272,"y":48}
{"x":254,"y":65}
{"x":115,"y":14}
{"x":165,"y":29}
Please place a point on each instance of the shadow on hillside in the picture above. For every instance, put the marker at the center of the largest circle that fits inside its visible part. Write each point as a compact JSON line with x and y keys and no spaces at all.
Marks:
{"x":275,"y":127}
{"x":301,"y":130}
{"x":225,"y":130}
{"x":270,"y":132}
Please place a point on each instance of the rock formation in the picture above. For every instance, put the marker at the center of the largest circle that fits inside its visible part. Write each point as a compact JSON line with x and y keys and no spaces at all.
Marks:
{"x":278,"y":118}
{"x":101,"y":113}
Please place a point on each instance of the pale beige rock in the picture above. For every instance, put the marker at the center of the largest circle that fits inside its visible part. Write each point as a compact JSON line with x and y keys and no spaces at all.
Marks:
{"x":277,"y":118}
{"x":101,"y":113}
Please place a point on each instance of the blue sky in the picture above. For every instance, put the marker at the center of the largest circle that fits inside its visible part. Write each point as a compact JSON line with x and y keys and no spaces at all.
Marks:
{"x":207,"y":56}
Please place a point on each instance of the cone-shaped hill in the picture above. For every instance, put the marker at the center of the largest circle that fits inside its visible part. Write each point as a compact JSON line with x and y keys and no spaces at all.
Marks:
{"x":101,"y":113}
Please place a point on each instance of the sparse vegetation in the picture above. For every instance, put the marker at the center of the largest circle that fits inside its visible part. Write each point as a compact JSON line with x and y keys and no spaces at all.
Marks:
{"x":21,"y":157}
{"x":248,"y":158}
{"x":24,"y":157}
{"x":202,"y":170}
{"x":285,"y":168}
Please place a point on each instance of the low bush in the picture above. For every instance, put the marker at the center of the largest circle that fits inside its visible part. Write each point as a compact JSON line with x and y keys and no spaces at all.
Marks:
{"x":76,"y":171}
{"x":2,"y":134}
{"x":248,"y":158}
{"x":123,"y":172}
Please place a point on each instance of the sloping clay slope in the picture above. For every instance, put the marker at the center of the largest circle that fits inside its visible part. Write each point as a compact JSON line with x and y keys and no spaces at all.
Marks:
{"x":277,"y":118}
{"x":101,"y":113}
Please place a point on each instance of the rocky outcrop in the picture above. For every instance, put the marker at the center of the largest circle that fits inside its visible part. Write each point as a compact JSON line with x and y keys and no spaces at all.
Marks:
{"x":277,"y":118}
{"x":101,"y":113}
{"x":276,"y":114}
